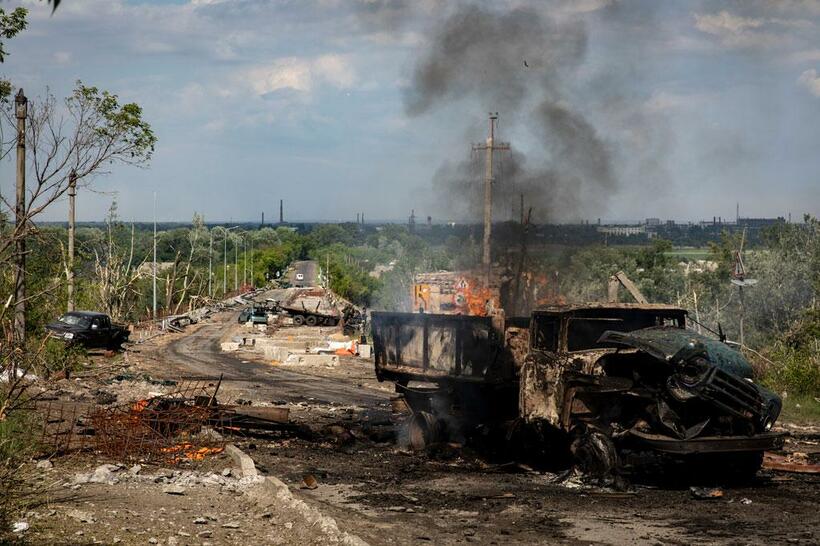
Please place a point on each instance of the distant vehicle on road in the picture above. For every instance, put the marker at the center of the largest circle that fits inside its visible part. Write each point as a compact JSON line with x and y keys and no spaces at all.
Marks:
{"x":300,"y":277}
{"x":255,"y":314}
{"x":89,"y":329}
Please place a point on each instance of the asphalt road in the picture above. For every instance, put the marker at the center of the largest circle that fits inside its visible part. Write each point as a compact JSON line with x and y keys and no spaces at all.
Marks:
{"x":198,"y":357}
{"x":309,"y":271}
{"x":389,"y":495}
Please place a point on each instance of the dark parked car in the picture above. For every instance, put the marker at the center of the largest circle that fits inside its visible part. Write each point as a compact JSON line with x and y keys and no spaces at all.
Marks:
{"x":89,"y":329}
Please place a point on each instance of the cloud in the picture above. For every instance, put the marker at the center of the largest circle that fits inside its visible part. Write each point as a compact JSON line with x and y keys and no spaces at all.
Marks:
{"x":724,"y":23}
{"x":805,"y":56}
{"x":811,"y":81}
{"x":738,"y":31}
{"x":62,"y":57}
{"x":665,"y":101}
{"x":300,"y":74}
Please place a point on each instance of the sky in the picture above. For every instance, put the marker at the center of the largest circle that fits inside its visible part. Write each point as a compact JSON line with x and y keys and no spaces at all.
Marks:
{"x":624,"y":109}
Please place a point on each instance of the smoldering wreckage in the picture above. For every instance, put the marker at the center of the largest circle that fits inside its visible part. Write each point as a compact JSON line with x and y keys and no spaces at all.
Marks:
{"x":606,"y":387}
{"x":599,"y":396}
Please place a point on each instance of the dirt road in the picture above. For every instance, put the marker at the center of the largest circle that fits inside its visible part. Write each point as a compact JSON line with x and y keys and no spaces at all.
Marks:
{"x":388,"y":495}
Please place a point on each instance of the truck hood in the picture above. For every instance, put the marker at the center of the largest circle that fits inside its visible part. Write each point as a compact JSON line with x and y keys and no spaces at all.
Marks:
{"x":721,"y":375}
{"x":61,"y":327}
{"x":674,"y":344}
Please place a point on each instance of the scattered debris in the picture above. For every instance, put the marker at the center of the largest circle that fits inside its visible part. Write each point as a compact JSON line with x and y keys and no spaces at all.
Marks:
{"x":174,"y":490}
{"x":169,"y":428}
{"x":309,"y":482}
{"x":791,"y":463}
{"x":45,"y":464}
{"x":20,"y":527}
{"x":706,"y":493}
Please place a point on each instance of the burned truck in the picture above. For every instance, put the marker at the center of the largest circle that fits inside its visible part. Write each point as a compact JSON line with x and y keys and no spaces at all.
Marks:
{"x":604,"y":384}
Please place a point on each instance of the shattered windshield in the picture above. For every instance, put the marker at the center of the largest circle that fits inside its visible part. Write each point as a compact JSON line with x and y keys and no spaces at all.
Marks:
{"x":584,"y":332}
{"x":74,"y":320}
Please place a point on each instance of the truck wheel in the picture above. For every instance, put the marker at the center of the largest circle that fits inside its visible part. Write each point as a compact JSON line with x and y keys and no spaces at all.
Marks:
{"x":310,"y":320}
{"x":298,"y":320}
{"x":594,"y":452}
{"x":425,"y":430}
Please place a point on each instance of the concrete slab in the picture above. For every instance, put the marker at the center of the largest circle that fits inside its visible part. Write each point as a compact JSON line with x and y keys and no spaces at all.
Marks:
{"x":313,"y":360}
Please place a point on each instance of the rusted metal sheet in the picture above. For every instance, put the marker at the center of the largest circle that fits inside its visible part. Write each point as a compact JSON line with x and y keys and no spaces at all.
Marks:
{"x":541,"y":391}
{"x":799,"y":465}
{"x":456,"y":293}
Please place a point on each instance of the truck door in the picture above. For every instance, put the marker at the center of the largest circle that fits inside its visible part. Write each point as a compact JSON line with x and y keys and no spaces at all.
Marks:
{"x":97,"y":333}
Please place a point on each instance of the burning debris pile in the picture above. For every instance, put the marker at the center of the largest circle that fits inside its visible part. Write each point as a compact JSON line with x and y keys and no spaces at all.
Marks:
{"x":185,"y":425}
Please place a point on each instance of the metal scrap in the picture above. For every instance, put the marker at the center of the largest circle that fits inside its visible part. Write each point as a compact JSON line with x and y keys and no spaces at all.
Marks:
{"x":799,"y":465}
{"x":184,"y":425}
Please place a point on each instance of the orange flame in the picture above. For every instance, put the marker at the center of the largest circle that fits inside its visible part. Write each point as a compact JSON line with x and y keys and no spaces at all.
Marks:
{"x":190,"y":452}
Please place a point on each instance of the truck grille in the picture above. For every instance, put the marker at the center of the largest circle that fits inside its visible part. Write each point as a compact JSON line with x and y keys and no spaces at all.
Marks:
{"x":733,"y":394}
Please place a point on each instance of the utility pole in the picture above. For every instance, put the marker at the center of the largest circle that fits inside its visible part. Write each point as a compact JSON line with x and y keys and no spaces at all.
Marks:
{"x":235,"y":266}
{"x":72,"y":193}
{"x":225,"y":260}
{"x":21,"y":112}
{"x":488,"y":148}
{"x":522,"y":209}
{"x":155,"y":257}
{"x":252,"y":283}
{"x":245,"y":261}
{"x":211,"y":263}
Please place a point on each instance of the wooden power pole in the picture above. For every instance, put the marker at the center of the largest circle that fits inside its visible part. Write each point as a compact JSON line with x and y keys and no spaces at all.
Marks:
{"x":21,"y":111}
{"x":488,"y":149}
{"x":69,"y":272}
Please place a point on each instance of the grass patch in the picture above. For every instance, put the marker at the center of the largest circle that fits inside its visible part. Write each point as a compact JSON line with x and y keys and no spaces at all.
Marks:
{"x":801,"y":410}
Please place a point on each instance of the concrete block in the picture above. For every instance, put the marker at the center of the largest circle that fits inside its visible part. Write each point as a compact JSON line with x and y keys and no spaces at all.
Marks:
{"x":365,"y":351}
{"x":276,"y":353}
{"x":230,"y":346}
{"x":313,"y":360}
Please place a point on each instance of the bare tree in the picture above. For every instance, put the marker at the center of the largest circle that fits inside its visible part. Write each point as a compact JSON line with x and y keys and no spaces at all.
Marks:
{"x":117,"y":272}
{"x":86,"y":133}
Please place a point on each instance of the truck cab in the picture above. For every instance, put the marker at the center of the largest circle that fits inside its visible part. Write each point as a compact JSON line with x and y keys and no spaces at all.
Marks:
{"x":620,"y":379}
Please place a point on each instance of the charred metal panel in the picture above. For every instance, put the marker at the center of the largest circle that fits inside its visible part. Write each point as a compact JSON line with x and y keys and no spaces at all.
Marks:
{"x":541,"y":390}
{"x":437,"y":346}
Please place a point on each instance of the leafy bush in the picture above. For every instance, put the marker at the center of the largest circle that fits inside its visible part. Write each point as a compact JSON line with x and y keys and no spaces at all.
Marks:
{"x":795,"y":371}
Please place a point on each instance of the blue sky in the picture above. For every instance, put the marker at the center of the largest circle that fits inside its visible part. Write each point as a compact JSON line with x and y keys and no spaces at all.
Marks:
{"x":699,"y":104}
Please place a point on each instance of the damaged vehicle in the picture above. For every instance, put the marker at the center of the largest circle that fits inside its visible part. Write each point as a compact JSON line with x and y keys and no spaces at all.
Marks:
{"x":611,"y":385}
{"x":89,"y":329}
{"x":623,"y":379}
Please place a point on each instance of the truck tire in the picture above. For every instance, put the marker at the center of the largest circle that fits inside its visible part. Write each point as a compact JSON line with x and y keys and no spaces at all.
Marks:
{"x":594,"y":452}
{"x":425,"y":430}
{"x":298,"y":320}
{"x":310,"y":320}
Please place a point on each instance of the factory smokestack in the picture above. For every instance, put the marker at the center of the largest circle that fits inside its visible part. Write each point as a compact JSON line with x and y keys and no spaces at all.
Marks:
{"x":281,"y":211}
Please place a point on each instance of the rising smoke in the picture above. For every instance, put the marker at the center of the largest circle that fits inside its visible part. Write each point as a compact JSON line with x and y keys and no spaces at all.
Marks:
{"x":516,"y":62}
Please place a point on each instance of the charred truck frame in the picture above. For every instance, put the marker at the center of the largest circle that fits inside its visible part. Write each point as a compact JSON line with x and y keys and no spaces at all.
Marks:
{"x":605,"y":383}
